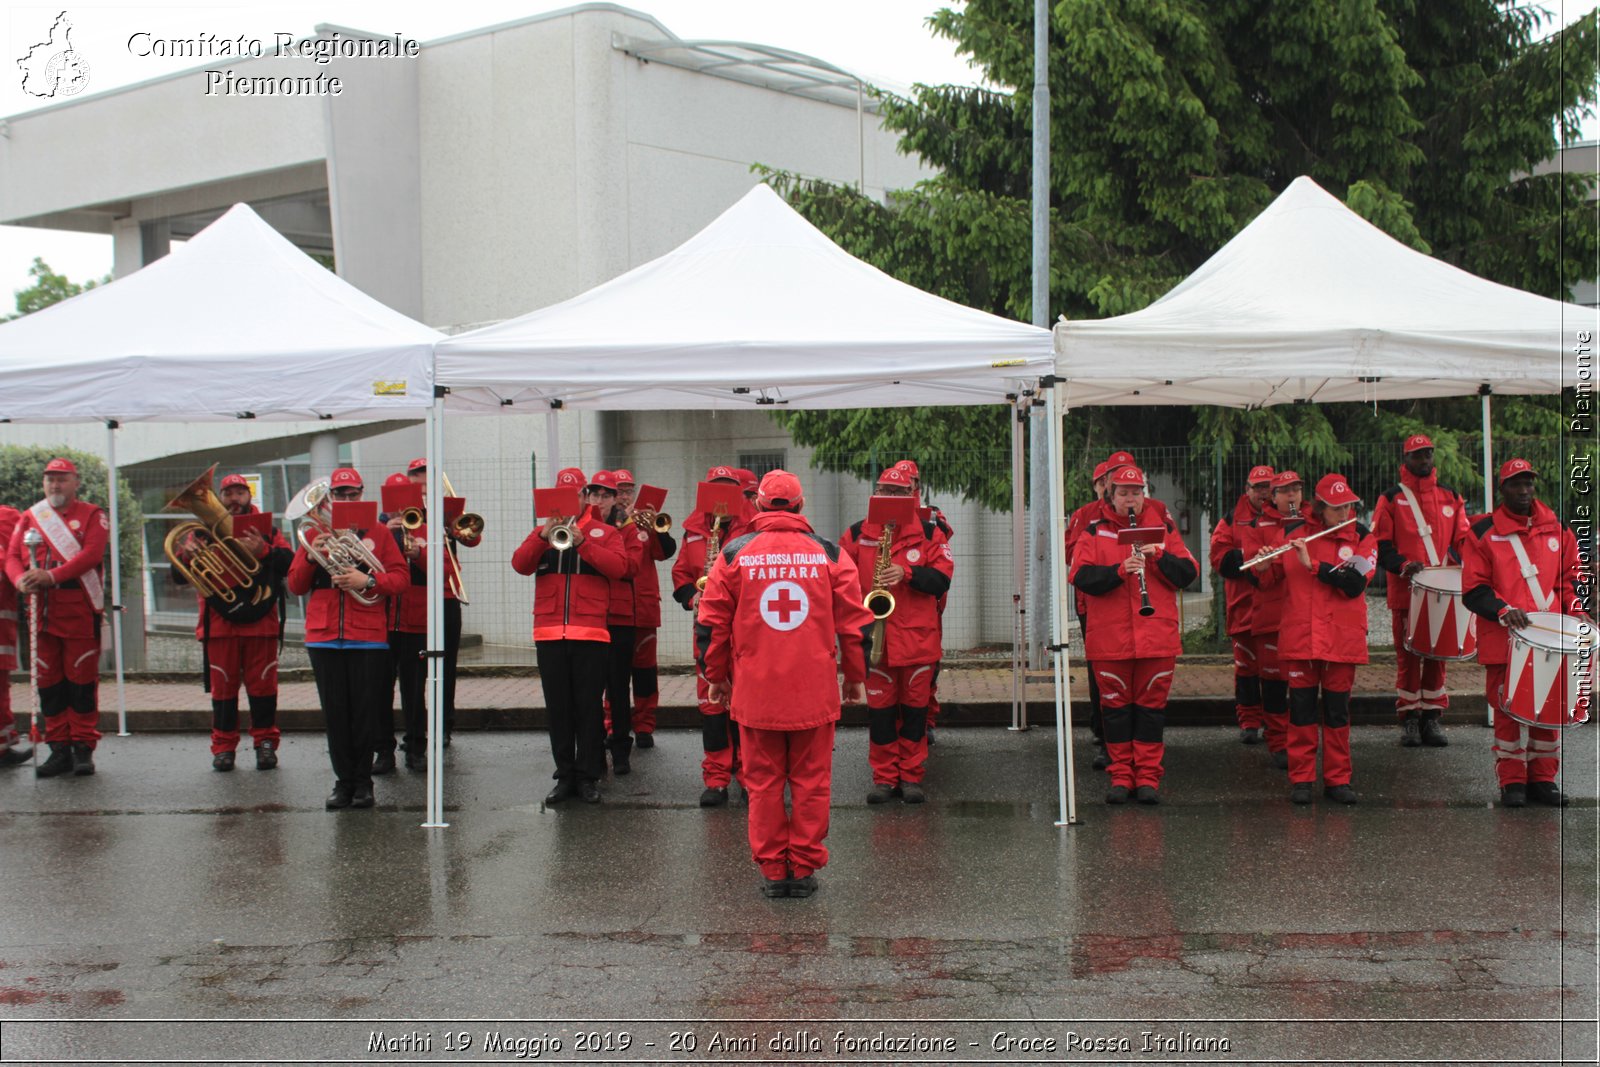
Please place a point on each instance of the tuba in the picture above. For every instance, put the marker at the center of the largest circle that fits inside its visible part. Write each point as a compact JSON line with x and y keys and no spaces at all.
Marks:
{"x":206,"y":553}
{"x":879,"y":600}
{"x":312,"y":506}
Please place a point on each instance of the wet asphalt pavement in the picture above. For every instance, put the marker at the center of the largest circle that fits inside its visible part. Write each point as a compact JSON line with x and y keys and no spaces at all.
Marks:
{"x":1424,"y":923}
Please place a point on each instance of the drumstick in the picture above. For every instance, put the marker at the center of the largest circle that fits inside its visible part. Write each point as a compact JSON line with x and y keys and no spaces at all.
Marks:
{"x":1583,"y":639}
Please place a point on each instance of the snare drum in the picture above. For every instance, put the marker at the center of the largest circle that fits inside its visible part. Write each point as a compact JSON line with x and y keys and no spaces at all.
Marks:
{"x":1438,"y":625}
{"x":1550,"y":676}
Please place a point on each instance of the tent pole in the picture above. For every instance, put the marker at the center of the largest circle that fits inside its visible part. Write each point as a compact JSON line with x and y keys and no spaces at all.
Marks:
{"x":114,"y":605}
{"x":1019,"y":565}
{"x":1488,"y":501}
{"x":552,"y":439}
{"x":1039,"y":453}
{"x":1066,"y":782}
{"x":433,"y":430}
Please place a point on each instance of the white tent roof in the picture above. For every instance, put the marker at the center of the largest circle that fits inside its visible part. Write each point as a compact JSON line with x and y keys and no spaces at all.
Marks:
{"x":757,"y":308}
{"x":1312,"y":302}
{"x":237,"y":320}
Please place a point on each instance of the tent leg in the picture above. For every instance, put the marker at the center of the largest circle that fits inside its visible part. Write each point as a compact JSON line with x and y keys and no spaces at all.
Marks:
{"x":114,"y":606}
{"x":433,"y":429}
{"x":1488,"y":500}
{"x":552,"y":441}
{"x":1019,"y":566}
{"x":1066,"y":782}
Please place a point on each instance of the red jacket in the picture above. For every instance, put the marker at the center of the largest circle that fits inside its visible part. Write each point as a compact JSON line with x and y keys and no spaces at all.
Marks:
{"x":691,"y":562}
{"x":780,"y":601}
{"x":1228,"y":538}
{"x":274,"y":568}
{"x":1325,"y":611}
{"x":1261,"y":534}
{"x":1116,"y":630}
{"x":1075,"y":527}
{"x":912,"y":634}
{"x":1394,"y":525}
{"x":68,"y":612}
{"x":1491,"y":574}
{"x":408,"y":612}
{"x":649,"y":548}
{"x":573,"y":588}
{"x":334,"y":615}
{"x":9,"y":517}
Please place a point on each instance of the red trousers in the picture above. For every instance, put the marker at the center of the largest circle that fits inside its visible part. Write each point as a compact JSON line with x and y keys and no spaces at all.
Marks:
{"x":1419,"y":682}
{"x":933,"y":698}
{"x":1330,"y":727}
{"x":1247,"y":680}
{"x":719,"y":738}
{"x":251,"y":662}
{"x":1133,"y":713}
{"x":8,"y":721}
{"x":1274,"y":692}
{"x":69,"y":679}
{"x":1522,"y":753}
{"x":646,"y":685}
{"x":897,"y":722}
{"x":785,"y":843}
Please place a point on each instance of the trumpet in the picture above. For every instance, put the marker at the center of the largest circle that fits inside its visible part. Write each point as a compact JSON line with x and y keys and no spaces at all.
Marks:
{"x":658,"y":521}
{"x":878,"y":599}
{"x":345,"y":552}
{"x":1273,"y":553}
{"x":562,"y":536}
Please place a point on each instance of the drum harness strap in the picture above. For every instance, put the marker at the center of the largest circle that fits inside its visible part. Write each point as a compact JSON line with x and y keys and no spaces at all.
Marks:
{"x":1422,"y":526}
{"x":1530,"y":574}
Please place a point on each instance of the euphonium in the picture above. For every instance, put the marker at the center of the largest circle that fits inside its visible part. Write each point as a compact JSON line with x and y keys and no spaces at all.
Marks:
{"x":878,"y":599}
{"x":206,"y":553}
{"x":345,"y":552}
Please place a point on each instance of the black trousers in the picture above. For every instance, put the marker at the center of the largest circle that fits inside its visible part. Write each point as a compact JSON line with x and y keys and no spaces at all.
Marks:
{"x":410,"y":675}
{"x":573,"y":675}
{"x":452,"y":648}
{"x":619,"y":672}
{"x":350,"y":686}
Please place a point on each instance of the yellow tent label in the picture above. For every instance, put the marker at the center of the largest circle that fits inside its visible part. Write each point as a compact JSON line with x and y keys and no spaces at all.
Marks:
{"x":388,"y":388}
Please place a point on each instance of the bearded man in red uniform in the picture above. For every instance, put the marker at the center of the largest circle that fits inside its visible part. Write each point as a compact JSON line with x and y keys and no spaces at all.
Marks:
{"x":787,"y":604}
{"x":67,"y":573}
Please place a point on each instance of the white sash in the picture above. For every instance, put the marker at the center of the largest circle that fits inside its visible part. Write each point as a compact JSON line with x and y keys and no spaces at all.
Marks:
{"x":1422,"y":526}
{"x":1530,"y":574}
{"x":66,"y":546}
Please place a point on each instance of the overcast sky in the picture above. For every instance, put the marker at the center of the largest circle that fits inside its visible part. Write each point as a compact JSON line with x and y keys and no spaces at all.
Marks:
{"x":885,"y":41}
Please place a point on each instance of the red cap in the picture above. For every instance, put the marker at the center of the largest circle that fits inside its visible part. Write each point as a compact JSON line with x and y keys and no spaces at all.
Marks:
{"x":1259,"y":474}
{"x":1127,"y":474}
{"x":1335,"y":491}
{"x":722,"y":473}
{"x":418,"y":464}
{"x":572,"y":476}
{"x":60,"y":465}
{"x":345,"y":476}
{"x":1283,"y":478}
{"x":1118,"y":459}
{"x":1513,"y":467}
{"x":910,"y":467}
{"x":747,"y":479}
{"x":1416,"y":441}
{"x":234,"y":479}
{"x":895,"y":476}
{"x":779,"y":489}
{"x":603,"y":480}
{"x":396,"y":479}
{"x":624,"y":476}
{"x":1101,"y":469}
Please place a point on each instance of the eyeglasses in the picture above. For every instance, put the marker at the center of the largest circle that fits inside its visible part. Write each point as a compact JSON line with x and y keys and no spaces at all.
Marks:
{"x":345,"y":492}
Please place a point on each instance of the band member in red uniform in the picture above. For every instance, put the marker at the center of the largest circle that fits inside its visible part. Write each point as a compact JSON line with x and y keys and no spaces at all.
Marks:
{"x":1226,"y":555}
{"x":12,"y":751}
{"x":348,"y":642}
{"x":1418,"y":523}
{"x":408,"y":640}
{"x":1263,"y":534}
{"x":455,"y":541}
{"x":658,"y":547}
{"x":1132,"y":654}
{"x":784,"y":602}
{"x":719,"y":738}
{"x":1076,"y":524}
{"x":571,"y":592}
{"x":917,"y":571}
{"x":620,"y":609}
{"x":930,"y":513}
{"x":1518,"y":559}
{"x":240,"y":641}
{"x":1322,"y":635}
{"x":68,"y":574}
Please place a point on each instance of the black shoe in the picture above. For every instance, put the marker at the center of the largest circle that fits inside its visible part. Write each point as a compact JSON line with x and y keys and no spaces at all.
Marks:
{"x":1117,"y":794}
{"x":447,"y":739}
{"x":1280,"y":759}
{"x":564,"y":789}
{"x":803,"y":887}
{"x":713,"y":796}
{"x":1300,"y":793}
{"x":14,"y":755}
{"x":773,"y":888}
{"x":1514,"y":795}
{"x":1547,"y":793}
{"x":1146,"y":794}
{"x":645,"y":740}
{"x":416,"y":761}
{"x":266,"y":757}
{"x":881,"y":793}
{"x":929,"y":733}
{"x":1411,"y":731}
{"x":59,"y":762}
{"x":222,"y":761}
{"x":1101,"y":760}
{"x":911,"y":793}
{"x":1251,"y":735}
{"x":620,"y":764}
{"x":383,"y":762}
{"x":1339,"y":794}
{"x":1432,"y":733}
{"x":82,"y":759}
{"x":341,"y":797}
{"x":362,"y":797}
{"x":589,"y":792}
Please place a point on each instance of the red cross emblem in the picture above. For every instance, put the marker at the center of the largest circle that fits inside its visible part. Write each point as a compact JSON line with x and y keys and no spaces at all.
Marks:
{"x":784,"y":605}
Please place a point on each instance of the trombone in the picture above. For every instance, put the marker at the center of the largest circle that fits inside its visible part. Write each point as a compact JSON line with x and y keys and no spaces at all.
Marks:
{"x":466,"y":525}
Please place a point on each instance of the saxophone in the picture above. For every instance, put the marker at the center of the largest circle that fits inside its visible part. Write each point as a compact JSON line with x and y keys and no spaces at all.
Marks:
{"x":713,"y":546}
{"x":879,"y":600}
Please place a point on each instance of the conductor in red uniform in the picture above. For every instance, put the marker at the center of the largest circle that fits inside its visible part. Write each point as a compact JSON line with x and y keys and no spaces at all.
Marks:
{"x":785,"y":604}
{"x":70,"y":557}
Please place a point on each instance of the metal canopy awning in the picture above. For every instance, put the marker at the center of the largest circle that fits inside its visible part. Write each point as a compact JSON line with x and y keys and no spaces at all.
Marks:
{"x":755,"y":64}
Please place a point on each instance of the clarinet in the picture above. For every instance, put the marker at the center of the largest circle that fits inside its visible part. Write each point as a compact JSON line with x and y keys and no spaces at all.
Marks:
{"x":1145,"y":607}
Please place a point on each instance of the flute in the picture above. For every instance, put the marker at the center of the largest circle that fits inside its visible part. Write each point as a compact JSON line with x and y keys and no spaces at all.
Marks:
{"x":1274,"y":553}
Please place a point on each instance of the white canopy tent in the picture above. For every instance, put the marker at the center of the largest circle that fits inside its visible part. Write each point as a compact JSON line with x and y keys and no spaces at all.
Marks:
{"x":236,"y":323}
{"x":1310,"y":302}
